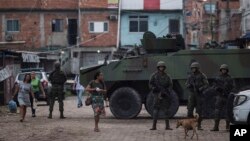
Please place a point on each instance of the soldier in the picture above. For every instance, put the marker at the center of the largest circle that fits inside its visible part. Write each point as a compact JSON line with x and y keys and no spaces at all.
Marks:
{"x":57,"y":78}
{"x":161,"y":85}
{"x":197,"y":82}
{"x":223,"y":84}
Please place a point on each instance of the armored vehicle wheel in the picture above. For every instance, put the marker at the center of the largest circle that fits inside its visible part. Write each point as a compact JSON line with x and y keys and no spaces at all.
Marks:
{"x":125,"y":103}
{"x":173,"y":108}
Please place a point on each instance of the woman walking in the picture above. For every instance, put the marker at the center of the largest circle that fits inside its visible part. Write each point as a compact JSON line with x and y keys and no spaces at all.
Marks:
{"x":37,"y":88}
{"x":79,"y":90}
{"x":24,"y":89}
{"x":97,"y":89}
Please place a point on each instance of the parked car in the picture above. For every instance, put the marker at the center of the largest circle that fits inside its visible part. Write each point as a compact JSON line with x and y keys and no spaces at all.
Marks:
{"x":241,"y":110}
{"x":68,"y":86}
{"x":43,"y":78}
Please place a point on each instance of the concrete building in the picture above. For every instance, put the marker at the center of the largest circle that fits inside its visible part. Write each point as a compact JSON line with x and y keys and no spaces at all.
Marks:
{"x":61,"y":25}
{"x":245,"y":20}
{"x":193,"y":12}
{"x":98,"y":32}
{"x":228,"y":16}
{"x":159,"y":16}
{"x":211,"y":20}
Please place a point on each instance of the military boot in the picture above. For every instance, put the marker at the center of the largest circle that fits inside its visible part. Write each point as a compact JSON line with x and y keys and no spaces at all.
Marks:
{"x":62,"y":116}
{"x":167,"y":125}
{"x":227,"y":125}
{"x":154,"y":125}
{"x":216,"y":125}
{"x":50,"y":115}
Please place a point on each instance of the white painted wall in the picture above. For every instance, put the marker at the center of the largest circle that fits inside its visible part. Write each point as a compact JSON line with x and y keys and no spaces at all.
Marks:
{"x":164,"y":4}
{"x":245,"y":22}
{"x":132,"y":4}
{"x":171,"y":4}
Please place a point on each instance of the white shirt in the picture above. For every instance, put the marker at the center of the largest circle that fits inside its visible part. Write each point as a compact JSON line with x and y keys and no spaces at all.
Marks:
{"x":77,"y":82}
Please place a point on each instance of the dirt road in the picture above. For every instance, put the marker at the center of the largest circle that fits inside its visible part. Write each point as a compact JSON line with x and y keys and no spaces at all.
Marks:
{"x":78,"y":126}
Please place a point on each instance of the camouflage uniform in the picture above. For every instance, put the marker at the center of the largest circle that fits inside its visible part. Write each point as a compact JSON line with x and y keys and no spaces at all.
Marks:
{"x":223,"y":84}
{"x":197,"y":82}
{"x":161,"y":84}
{"x":57,"y":78}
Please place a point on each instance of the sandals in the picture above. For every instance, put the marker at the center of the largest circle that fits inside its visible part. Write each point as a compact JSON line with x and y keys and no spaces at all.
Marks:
{"x":97,"y":130}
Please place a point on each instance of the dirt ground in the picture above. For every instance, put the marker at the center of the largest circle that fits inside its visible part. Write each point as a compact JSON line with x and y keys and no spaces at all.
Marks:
{"x":79,"y":125}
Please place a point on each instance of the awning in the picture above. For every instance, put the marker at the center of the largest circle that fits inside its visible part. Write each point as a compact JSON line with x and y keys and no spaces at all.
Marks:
{"x":30,"y":58}
{"x":246,"y":36}
{"x":5,"y":73}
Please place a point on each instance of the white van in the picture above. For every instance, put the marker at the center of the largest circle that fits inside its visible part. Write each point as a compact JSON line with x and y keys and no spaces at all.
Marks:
{"x":241,"y":110}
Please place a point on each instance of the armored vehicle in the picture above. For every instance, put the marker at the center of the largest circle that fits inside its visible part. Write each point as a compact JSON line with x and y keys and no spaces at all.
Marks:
{"x":127,"y":79}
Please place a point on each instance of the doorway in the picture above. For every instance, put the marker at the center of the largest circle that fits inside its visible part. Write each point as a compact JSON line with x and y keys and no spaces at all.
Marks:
{"x":72,"y":31}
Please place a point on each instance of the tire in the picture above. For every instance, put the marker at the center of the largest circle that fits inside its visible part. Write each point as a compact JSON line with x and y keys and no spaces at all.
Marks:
{"x":173,"y":108}
{"x":125,"y":103}
{"x":248,"y":119}
{"x":230,"y":106}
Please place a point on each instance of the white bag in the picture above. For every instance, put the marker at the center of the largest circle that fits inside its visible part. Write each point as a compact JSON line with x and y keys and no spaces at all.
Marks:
{"x":34,"y":104}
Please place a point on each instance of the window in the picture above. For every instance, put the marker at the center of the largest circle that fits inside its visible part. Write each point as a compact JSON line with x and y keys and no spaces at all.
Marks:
{"x":174,"y":26}
{"x":210,"y":8}
{"x":57,"y":25}
{"x":98,"y":27}
{"x":13,"y":25}
{"x":138,"y":23}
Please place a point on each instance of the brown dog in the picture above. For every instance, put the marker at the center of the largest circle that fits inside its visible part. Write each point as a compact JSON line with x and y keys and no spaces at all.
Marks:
{"x":189,"y":124}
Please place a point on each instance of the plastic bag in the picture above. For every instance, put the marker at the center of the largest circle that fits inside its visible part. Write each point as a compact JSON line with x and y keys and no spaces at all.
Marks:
{"x":12,"y":106}
{"x":34,"y":104}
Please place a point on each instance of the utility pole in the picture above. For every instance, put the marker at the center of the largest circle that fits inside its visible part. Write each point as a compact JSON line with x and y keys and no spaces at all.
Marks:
{"x":78,"y":39}
{"x":119,"y":23}
{"x":211,"y":22}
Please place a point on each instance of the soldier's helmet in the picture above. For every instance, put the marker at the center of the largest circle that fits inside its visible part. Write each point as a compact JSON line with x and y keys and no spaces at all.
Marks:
{"x":224,"y":66}
{"x":195,"y":65}
{"x":57,"y":65}
{"x":161,"y":64}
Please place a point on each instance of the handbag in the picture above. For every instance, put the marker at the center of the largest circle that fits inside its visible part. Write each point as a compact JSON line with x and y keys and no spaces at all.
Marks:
{"x":88,"y":101}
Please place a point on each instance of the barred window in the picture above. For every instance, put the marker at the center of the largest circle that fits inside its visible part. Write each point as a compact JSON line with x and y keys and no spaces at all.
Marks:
{"x":13,"y":25}
{"x":138,"y":23}
{"x":57,"y":25}
{"x":174,"y":26}
{"x":98,"y":27}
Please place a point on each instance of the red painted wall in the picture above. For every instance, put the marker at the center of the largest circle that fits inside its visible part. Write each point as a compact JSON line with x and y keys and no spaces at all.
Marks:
{"x":151,"y":4}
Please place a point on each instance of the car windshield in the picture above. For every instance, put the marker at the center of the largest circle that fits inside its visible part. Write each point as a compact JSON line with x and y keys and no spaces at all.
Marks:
{"x":21,"y":76}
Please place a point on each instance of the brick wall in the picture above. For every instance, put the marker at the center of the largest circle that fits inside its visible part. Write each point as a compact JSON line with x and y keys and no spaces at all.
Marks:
{"x":31,"y":28}
{"x":235,"y":31}
{"x":94,"y":3}
{"x":99,"y":39}
{"x":233,"y":4}
{"x":28,"y":25}
{"x":36,"y":26}
{"x":46,"y":4}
